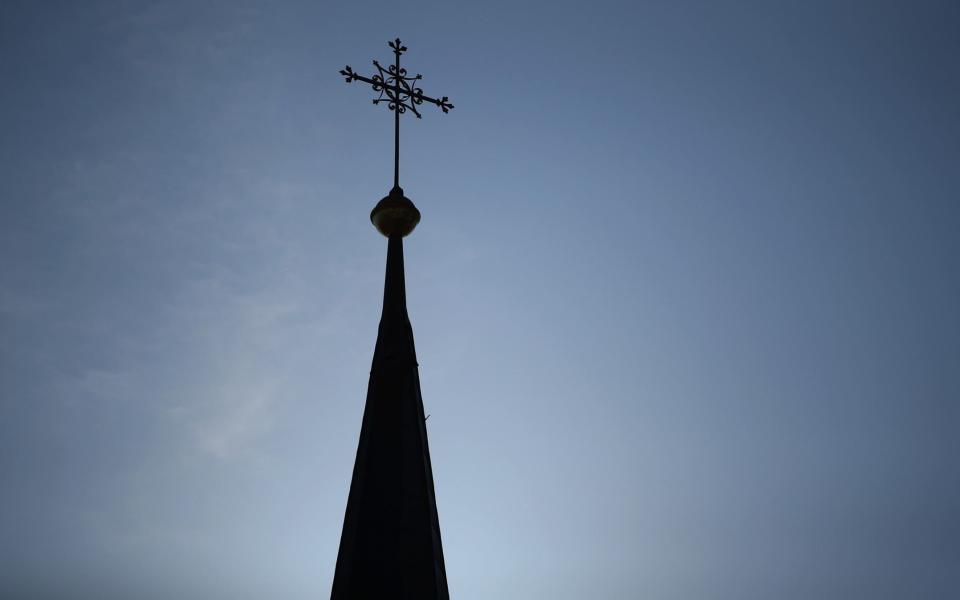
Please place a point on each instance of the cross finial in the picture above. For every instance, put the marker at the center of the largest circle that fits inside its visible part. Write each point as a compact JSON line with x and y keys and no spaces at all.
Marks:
{"x":400,"y":92}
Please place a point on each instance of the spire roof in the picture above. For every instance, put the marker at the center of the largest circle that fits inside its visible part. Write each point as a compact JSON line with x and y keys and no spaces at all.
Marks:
{"x":390,"y":546}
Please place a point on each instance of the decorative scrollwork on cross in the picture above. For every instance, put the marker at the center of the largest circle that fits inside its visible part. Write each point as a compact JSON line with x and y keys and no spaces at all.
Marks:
{"x":400,"y":92}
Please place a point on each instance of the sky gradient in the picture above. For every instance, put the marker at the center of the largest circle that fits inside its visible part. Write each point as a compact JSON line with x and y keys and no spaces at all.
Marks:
{"x":686,"y":295}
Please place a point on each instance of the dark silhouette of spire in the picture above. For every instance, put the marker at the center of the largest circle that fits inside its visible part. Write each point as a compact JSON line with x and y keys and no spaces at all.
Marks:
{"x":390,"y":546}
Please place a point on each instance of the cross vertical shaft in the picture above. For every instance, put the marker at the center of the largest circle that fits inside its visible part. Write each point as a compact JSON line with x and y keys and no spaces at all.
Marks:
{"x":396,"y":130}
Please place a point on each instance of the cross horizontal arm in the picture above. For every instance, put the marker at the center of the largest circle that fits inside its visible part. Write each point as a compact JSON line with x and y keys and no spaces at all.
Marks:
{"x":442,"y":102}
{"x":379,"y":84}
{"x":351,"y":76}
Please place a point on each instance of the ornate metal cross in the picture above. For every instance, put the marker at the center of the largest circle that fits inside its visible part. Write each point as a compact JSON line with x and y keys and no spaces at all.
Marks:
{"x":400,"y":93}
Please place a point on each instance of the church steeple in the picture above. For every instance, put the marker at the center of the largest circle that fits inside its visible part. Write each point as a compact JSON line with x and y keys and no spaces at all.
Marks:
{"x":390,"y":546}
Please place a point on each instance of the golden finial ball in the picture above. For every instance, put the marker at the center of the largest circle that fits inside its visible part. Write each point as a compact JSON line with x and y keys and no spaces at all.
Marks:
{"x":395,"y":215}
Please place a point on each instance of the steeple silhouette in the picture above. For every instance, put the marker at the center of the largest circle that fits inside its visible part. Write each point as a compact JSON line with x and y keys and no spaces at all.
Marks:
{"x":390,"y":546}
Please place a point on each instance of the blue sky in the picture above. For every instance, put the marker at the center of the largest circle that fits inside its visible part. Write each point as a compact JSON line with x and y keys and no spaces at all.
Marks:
{"x":686,"y":295}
